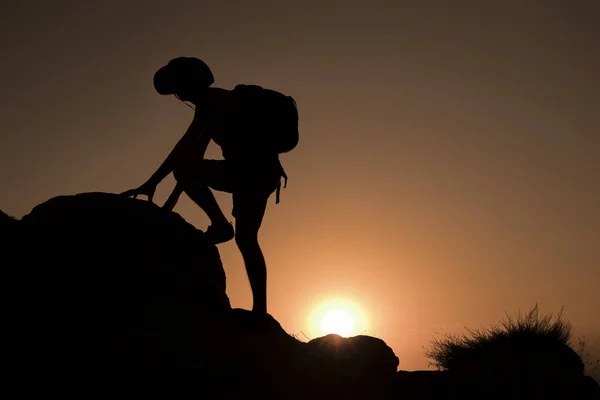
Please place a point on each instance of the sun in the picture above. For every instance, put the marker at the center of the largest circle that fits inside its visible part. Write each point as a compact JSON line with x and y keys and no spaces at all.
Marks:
{"x":339,"y":316}
{"x":337,"y":321}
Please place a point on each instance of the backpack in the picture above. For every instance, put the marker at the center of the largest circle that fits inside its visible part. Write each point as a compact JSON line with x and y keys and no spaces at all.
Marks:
{"x":263,"y":121}
{"x":266,"y":119}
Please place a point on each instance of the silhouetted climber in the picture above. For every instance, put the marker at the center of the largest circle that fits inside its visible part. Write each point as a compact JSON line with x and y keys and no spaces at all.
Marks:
{"x":252,"y":125}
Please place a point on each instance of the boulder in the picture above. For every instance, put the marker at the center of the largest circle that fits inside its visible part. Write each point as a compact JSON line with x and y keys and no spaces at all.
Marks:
{"x":358,"y":356}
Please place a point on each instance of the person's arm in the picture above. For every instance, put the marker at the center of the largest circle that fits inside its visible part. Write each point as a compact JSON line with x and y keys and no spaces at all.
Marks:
{"x":193,"y":138}
{"x":193,"y":141}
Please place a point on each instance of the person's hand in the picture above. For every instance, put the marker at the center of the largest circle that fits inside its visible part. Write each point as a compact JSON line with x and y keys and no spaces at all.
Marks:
{"x":147,"y":189}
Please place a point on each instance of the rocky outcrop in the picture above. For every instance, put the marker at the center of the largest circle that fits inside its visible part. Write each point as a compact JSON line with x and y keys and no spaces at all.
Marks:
{"x":107,"y":295}
{"x":109,"y":292}
{"x":359,"y":356}
{"x":6,"y":221}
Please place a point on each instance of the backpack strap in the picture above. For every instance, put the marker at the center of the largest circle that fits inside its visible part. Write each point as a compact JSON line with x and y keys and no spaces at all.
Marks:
{"x":285,"y":179}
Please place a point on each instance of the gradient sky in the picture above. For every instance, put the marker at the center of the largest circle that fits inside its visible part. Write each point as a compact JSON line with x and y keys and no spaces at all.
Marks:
{"x":449,"y":160}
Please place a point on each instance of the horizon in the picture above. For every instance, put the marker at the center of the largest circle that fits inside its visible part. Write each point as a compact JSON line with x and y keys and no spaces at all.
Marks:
{"x":447,"y":168}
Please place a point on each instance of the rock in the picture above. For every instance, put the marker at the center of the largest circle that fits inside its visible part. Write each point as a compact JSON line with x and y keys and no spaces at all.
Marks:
{"x":132,"y":244}
{"x":364,"y":365}
{"x":6,"y":221}
{"x":9,"y":229}
{"x":108,"y":287}
{"x":115,"y":295}
{"x":357,"y":356}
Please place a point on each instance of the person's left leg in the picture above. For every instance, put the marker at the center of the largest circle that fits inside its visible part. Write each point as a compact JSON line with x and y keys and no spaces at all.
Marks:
{"x":249,"y":210}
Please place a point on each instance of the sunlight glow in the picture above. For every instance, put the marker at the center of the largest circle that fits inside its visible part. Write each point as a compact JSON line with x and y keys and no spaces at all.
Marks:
{"x":337,"y":321}
{"x":338,"y":316}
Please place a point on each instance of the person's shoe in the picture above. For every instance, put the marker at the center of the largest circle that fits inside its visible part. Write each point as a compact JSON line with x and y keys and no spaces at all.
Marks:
{"x":220,"y":233}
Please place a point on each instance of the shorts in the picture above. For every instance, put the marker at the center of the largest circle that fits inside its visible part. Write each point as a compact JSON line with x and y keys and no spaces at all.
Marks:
{"x":250,"y":183}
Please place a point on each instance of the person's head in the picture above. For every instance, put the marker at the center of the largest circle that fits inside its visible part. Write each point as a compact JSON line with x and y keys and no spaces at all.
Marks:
{"x":184,"y":77}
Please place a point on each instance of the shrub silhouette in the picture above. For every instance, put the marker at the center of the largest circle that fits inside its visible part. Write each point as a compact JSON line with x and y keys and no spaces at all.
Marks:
{"x":591,"y":361}
{"x":526,"y":344}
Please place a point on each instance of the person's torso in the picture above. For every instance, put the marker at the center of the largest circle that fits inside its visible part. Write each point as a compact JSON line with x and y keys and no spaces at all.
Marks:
{"x":217,"y":115}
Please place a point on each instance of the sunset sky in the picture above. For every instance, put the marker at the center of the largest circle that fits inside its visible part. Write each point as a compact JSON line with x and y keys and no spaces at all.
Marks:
{"x":449,"y":160}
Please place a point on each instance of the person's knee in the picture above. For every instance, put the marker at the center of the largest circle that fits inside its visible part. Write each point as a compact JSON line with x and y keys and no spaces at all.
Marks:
{"x":180,"y":174}
{"x":246,"y":238}
{"x":183,"y":172}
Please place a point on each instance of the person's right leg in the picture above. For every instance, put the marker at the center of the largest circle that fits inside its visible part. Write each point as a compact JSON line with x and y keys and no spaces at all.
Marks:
{"x":195,"y":179}
{"x":173,"y":198}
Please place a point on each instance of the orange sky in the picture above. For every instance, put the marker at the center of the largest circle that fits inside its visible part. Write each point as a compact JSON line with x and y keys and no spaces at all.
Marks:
{"x":449,"y":160}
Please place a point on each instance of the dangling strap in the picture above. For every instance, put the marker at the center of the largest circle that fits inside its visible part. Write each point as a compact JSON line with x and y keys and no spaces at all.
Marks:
{"x":285,"y":178}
